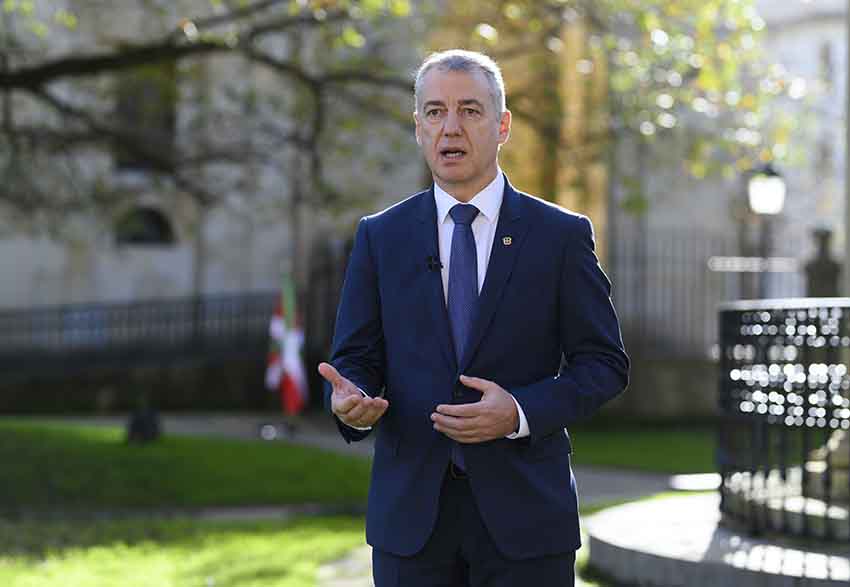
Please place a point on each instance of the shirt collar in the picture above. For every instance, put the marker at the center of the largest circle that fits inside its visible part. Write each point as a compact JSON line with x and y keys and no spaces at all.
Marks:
{"x":488,"y":201}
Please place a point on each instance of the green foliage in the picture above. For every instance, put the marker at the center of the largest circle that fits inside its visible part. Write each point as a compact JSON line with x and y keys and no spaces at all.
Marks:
{"x":692,"y":70}
{"x":62,"y":466}
{"x":700,"y":61}
{"x":34,"y":20}
{"x":694,"y":65}
{"x":66,"y":19}
{"x":351,"y":37}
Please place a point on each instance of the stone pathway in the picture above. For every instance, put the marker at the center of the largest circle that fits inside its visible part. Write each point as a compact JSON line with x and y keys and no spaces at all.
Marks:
{"x":353,"y":570}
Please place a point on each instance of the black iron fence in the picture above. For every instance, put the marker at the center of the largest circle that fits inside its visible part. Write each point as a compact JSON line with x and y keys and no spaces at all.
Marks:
{"x":69,"y":338}
{"x":668,"y":284}
{"x":784,"y":399}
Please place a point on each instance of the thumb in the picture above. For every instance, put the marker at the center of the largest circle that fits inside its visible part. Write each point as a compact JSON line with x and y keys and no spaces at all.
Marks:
{"x":330,"y":373}
{"x":482,"y":385}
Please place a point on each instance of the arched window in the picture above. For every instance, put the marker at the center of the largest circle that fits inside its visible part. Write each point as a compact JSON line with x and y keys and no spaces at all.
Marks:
{"x":144,"y":226}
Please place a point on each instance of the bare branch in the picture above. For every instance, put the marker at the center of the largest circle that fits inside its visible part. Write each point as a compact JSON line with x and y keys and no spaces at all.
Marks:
{"x":53,"y":139}
{"x":295,"y":70}
{"x":32,"y":78}
{"x":236,"y":14}
{"x":284,"y":67}
{"x":277,"y":25}
{"x":171,"y":48}
{"x":84,"y":125}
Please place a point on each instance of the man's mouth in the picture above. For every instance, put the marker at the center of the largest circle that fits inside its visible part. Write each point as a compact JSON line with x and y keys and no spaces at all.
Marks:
{"x":452,"y":153}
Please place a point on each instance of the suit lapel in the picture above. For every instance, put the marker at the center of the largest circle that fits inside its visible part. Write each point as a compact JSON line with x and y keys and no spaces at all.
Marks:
{"x":426,"y":233}
{"x":510,"y":233}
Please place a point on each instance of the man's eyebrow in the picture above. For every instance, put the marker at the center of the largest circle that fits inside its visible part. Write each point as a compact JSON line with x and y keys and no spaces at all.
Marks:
{"x":463,"y":102}
{"x":471,"y":102}
{"x":433,"y":103}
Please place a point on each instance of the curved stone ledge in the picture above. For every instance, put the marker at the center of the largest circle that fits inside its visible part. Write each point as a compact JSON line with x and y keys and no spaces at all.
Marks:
{"x":678,"y":541}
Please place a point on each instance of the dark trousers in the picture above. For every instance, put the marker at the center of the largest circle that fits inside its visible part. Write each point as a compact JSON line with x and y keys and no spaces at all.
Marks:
{"x":460,"y":553}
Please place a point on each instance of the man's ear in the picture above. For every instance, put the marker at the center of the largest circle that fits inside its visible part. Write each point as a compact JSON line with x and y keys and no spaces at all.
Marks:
{"x":416,"y":131}
{"x":505,"y":127}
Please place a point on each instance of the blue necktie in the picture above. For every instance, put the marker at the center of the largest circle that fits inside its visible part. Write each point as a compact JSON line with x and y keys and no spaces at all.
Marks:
{"x":463,"y":287}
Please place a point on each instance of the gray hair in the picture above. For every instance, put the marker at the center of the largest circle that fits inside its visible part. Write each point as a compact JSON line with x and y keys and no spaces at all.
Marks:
{"x":468,"y":62}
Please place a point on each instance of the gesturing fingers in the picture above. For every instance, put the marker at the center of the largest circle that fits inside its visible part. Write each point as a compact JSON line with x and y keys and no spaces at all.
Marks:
{"x":366,"y":407}
{"x":343,"y":404}
{"x":374,"y":410}
{"x":460,"y":410}
{"x":365,"y":411}
{"x":347,"y":401}
{"x":458,"y":428}
{"x":477,"y":383}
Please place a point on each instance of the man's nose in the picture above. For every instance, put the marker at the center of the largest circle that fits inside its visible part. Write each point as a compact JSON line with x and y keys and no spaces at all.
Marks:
{"x":452,"y":125}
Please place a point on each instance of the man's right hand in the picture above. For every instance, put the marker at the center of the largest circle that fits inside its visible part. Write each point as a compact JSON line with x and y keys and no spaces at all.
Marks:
{"x":349,"y":404}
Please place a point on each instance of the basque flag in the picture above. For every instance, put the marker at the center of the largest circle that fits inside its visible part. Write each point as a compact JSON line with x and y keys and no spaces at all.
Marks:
{"x":285,"y":372}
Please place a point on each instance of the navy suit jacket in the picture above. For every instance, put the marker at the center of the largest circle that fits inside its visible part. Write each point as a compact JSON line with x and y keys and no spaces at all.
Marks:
{"x":545,"y":330}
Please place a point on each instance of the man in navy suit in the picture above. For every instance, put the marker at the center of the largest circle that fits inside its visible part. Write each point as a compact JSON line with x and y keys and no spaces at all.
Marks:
{"x":475,"y":325}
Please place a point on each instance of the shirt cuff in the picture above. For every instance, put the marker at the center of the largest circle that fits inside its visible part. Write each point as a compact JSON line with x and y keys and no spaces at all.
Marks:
{"x":523,"y":423}
{"x":367,"y":427}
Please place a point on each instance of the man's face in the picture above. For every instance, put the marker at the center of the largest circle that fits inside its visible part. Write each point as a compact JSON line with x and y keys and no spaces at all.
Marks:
{"x":460,"y":130}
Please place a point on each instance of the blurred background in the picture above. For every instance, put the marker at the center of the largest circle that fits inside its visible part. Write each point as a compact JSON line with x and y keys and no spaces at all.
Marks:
{"x":179,"y":185}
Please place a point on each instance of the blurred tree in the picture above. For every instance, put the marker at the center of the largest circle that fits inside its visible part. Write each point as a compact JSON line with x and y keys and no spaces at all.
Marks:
{"x":585,"y":75}
{"x":266,"y":110}
{"x":100,"y":79}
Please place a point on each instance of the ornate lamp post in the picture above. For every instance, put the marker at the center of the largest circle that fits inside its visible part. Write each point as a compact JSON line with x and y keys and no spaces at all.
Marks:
{"x":766,"y":193}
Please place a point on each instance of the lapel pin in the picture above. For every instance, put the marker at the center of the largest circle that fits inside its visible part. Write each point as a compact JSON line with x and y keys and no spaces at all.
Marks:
{"x":507,"y":241}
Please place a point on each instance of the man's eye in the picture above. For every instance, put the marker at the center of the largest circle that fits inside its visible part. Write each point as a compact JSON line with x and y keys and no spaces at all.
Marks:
{"x":433,"y":113}
{"x":471,"y":111}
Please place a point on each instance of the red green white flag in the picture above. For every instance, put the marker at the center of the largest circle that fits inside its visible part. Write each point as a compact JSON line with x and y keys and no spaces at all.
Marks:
{"x":285,"y":371}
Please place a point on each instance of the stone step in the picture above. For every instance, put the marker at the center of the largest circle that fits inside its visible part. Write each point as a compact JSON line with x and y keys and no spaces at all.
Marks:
{"x":678,"y":542}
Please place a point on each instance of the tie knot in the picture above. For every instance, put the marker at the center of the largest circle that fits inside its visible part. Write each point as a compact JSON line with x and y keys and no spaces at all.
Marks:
{"x":463,"y":213}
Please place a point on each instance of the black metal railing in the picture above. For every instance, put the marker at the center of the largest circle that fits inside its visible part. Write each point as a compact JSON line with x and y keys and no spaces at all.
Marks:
{"x":82,"y":336}
{"x":784,"y":433}
{"x":668,"y":283}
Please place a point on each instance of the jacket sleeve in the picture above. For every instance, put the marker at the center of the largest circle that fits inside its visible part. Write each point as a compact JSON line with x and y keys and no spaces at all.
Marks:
{"x":358,"y":344}
{"x":595,"y":366}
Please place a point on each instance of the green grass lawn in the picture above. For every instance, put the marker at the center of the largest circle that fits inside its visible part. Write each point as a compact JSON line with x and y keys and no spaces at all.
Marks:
{"x":66,"y":467}
{"x":183,"y":552}
{"x":56,"y":466}
{"x":62,"y":468}
{"x":660,"y":449}
{"x":172,"y":553}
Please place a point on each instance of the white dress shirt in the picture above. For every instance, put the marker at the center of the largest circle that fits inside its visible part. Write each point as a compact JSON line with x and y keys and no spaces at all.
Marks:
{"x":489,"y":202}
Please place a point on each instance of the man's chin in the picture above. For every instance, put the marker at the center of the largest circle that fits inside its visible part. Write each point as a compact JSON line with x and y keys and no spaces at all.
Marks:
{"x":452,"y":176}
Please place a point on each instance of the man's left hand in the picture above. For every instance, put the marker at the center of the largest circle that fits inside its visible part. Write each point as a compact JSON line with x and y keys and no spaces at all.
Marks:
{"x":493,"y":416}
